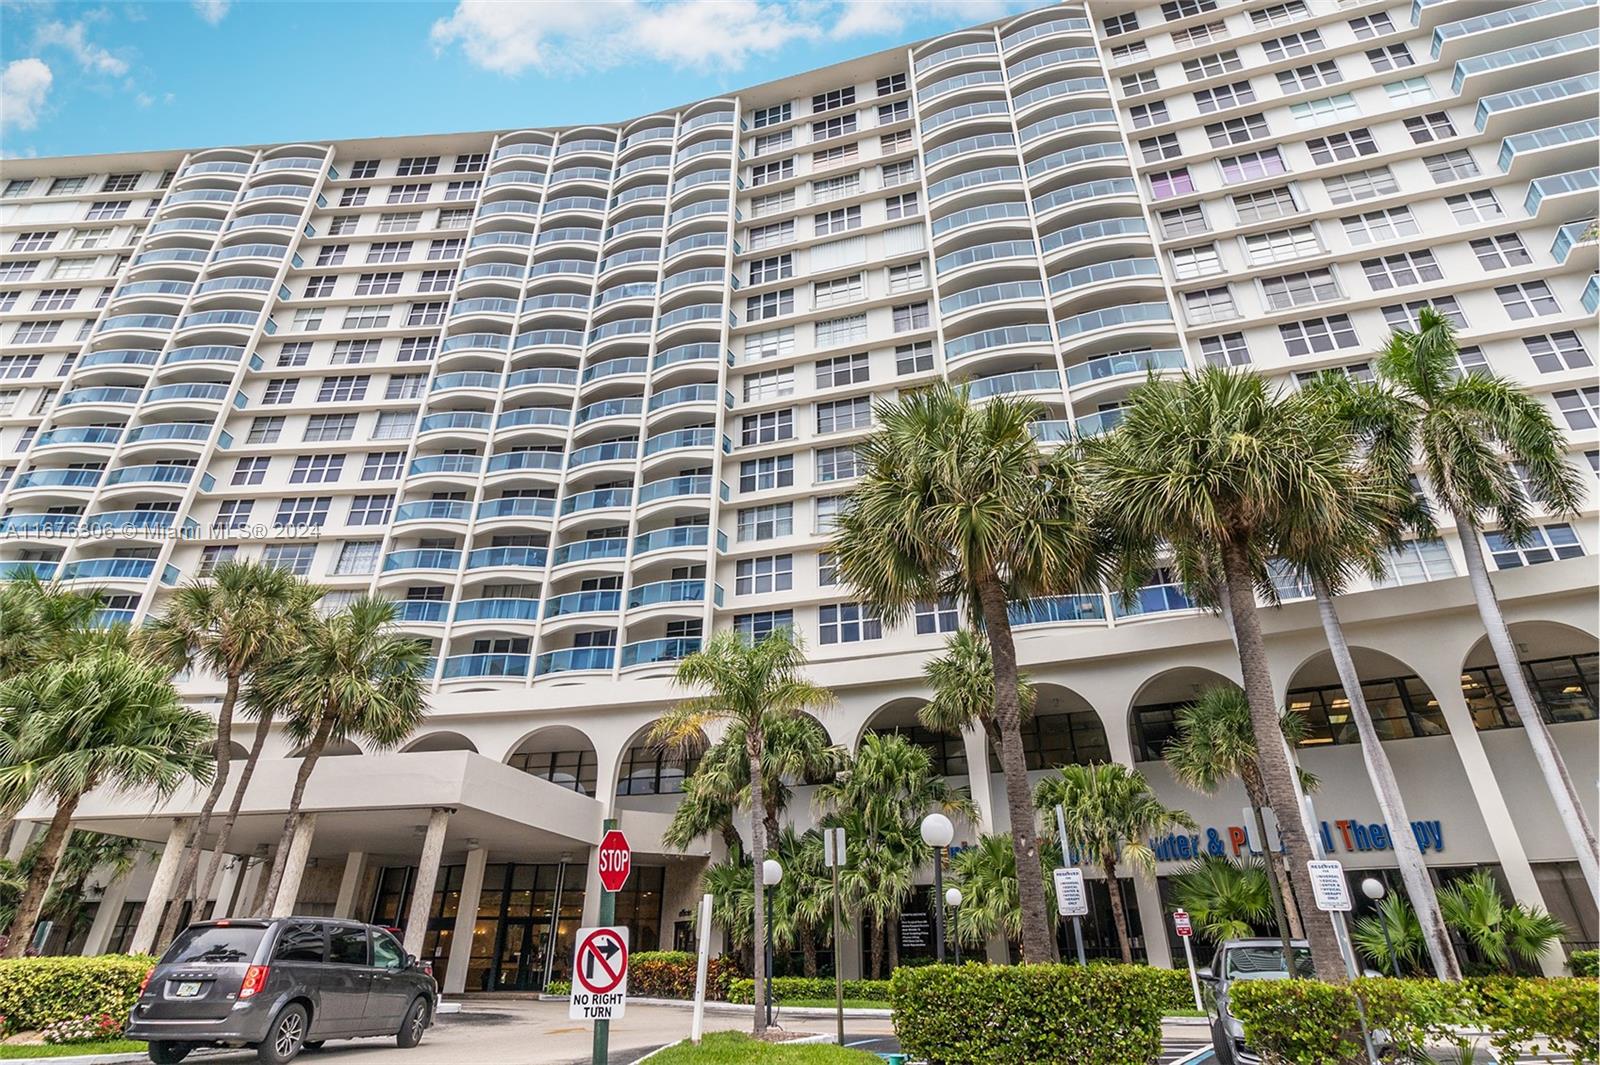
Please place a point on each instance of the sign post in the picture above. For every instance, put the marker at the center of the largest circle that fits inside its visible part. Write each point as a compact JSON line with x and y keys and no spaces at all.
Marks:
{"x":1185,"y":929}
{"x":700,"y":970}
{"x":613,"y":860}
{"x":1331,"y":892}
{"x":833,"y":858}
{"x":1066,"y":857}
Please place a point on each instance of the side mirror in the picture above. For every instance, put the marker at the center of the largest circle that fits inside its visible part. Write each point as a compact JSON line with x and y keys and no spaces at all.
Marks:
{"x":1206,"y":974}
{"x":411,"y":962}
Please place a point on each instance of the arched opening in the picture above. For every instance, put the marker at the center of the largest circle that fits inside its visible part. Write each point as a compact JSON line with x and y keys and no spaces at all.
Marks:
{"x":647,"y":769}
{"x":900,"y":718}
{"x":1559,"y":663}
{"x":560,"y":754}
{"x":237,"y":751}
{"x":1401,"y":706}
{"x":1153,"y":717}
{"x":440,"y":741}
{"x":1063,"y":730}
{"x":335,"y":749}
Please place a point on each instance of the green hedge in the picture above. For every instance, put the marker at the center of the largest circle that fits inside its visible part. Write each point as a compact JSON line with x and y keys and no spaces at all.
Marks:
{"x":558,"y":987}
{"x":1029,"y":1014}
{"x":671,"y":974}
{"x":35,"y":992}
{"x":1305,"y":1022}
{"x":790,"y":988}
{"x":1170,"y":986}
{"x":1585,"y":963}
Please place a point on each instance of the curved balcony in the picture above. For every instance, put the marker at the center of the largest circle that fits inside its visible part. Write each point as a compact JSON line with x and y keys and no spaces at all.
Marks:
{"x":153,"y":473}
{"x":990,"y":81}
{"x":426,"y":559}
{"x":954,"y":53}
{"x":263,"y":220}
{"x":474,"y":379}
{"x":40,"y":526}
{"x":184,"y":225}
{"x":610,"y":451}
{"x":998,"y":252}
{"x":542,"y":376}
{"x":507,"y":272}
{"x":501,"y":241}
{"x":1124,"y":364}
{"x":614,"y":368}
{"x":652,"y":652}
{"x":177,"y":290}
{"x":464,"y":667}
{"x":604,"y":548}
{"x":1109,"y":317}
{"x":1012,"y":41}
{"x":597,"y":499}
{"x":686,"y":394}
{"x":484,"y":306}
{"x":986,"y":295}
{"x":991,"y":339}
{"x":958,"y":149}
{"x":525,"y":460}
{"x":497,"y":610}
{"x":433,"y":510}
{"x":600,"y":602}
{"x":240,"y":283}
{"x":165,"y":432}
{"x":107,"y":395}
{"x":1011,"y":383}
{"x":270,"y":252}
{"x":81,"y":435}
{"x":136,"y":523}
{"x":125,"y":569}
{"x":55,"y":478}
{"x":676,"y":537}
{"x":1099,"y":422}
{"x":516,"y":507}
{"x":12,"y":570}
{"x":219,"y":167}
{"x":226,"y":354}
{"x":421,"y":611}
{"x":675,"y":488}
{"x":548,"y":338}
{"x":1084,"y":191}
{"x":1151,"y":599}
{"x":1097,"y":273}
{"x":146,"y":323}
{"x":292,"y":162}
{"x":608,"y":408}
{"x":506,"y":558}
{"x":118,"y":357}
{"x":1097,"y":154}
{"x":703,"y":352}
{"x":677,"y":439}
{"x":280,"y":192}
{"x":985,"y":180}
{"x":190,"y":392}
{"x":522,"y":151}
{"x":455,"y":420}
{"x":575,"y":659}
{"x":1014,"y":211}
{"x":505,"y":178}
{"x":468,"y":465}
{"x":1113,"y":228}
{"x":950,"y":116}
{"x":1072,"y":120}
{"x":1055,"y":609}
{"x":665,"y":593}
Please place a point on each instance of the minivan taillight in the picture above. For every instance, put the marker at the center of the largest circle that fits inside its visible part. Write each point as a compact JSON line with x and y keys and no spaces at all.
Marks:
{"x":255,"y":978}
{"x":146,"y":981}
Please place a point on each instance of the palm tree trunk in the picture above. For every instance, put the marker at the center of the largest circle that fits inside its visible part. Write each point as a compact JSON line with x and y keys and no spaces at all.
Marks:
{"x":891,"y":938}
{"x":808,"y":949}
{"x":1413,"y":872}
{"x":1554,"y":768}
{"x":194,"y":843}
{"x":1119,"y":915}
{"x":44,"y":870}
{"x":1038,"y":939}
{"x":758,"y":851}
{"x":1284,"y":910}
{"x":291,"y":819}
{"x":876,"y":951}
{"x":1272,"y":756}
{"x":220,"y":851}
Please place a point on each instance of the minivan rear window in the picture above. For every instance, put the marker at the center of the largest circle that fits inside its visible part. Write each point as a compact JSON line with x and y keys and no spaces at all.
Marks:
{"x":222,"y":944}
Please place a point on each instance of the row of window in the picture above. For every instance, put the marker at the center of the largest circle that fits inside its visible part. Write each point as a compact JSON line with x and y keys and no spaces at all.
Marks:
{"x":72,"y":186}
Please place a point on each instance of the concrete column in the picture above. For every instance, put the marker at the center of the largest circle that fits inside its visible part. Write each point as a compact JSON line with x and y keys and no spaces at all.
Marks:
{"x":144,"y":936}
{"x":248,"y":888}
{"x":1492,"y":806}
{"x":227,"y":882}
{"x":975,"y":741}
{"x":354,"y":865}
{"x":455,"y":976}
{"x":21,"y":836}
{"x":1157,"y":950}
{"x":591,"y":887}
{"x":295,"y":867}
{"x":105,"y":918}
{"x":427,"y":875}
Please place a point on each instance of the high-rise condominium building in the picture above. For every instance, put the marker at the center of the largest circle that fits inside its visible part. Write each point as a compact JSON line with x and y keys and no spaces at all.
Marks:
{"x":577,"y":398}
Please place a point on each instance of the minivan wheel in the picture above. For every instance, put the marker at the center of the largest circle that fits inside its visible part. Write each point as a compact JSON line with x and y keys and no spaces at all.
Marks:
{"x":285,"y":1037}
{"x":163,"y":1052}
{"x":1221,"y":1045}
{"x":413,"y":1026}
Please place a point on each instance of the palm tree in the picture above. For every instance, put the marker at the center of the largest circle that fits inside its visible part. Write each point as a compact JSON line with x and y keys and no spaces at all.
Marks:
{"x":350,"y":674}
{"x":1391,"y":937}
{"x":1372,"y":525}
{"x":962,"y":680}
{"x":803,"y":904}
{"x":86,"y":854}
{"x":742,"y":683}
{"x":986,"y":873}
{"x":1504,"y":934}
{"x":1225,"y":899}
{"x":244,"y":616}
{"x":729,"y":881}
{"x":1476,"y":432}
{"x":102,"y":718}
{"x":957,"y":501}
{"x":40,"y":622}
{"x":1219,"y":462}
{"x":878,"y":880}
{"x":1216,"y":743}
{"x":1111,"y":812}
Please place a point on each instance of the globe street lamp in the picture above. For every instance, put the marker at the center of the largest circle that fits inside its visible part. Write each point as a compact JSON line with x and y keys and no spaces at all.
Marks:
{"x":952,"y":899}
{"x":1373,"y":889}
{"x":937,"y":832}
{"x":771,"y":876}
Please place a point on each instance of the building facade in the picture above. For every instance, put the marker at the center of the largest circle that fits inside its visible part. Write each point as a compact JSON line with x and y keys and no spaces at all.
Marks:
{"x":577,"y":397}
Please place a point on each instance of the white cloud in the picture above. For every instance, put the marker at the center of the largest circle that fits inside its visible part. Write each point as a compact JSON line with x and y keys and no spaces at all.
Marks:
{"x":510,"y":37}
{"x":212,"y":11}
{"x":24,"y":85}
{"x":859,"y":18}
{"x":90,"y":56}
{"x":144,"y":99}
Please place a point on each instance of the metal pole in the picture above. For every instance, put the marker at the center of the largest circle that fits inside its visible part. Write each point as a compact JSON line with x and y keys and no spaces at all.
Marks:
{"x":838,"y":953}
{"x":938,"y":902}
{"x":769,"y":958}
{"x":608,"y":914}
{"x":555,"y":926}
{"x":1066,"y":859}
{"x":955,"y":940}
{"x":1194,"y":978}
{"x":1388,"y":945}
{"x":701,"y":964}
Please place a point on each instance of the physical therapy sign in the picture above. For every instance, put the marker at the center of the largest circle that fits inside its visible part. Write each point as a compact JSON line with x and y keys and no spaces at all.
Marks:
{"x":599,"y":975}
{"x":1350,"y":836}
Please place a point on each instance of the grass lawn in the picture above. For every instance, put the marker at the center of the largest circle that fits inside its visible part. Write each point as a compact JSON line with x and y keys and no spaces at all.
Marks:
{"x":736,"y":1048}
{"x":13,"y":1051}
{"x":828,"y":1003}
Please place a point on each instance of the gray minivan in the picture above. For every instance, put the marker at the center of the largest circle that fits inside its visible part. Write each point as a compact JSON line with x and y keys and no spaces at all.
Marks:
{"x":280,"y":985}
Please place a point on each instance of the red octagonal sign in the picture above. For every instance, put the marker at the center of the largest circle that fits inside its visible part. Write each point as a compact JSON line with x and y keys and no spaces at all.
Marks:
{"x":615,"y":859}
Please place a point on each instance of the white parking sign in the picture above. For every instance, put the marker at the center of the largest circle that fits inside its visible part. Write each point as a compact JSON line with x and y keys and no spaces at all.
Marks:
{"x":1328,"y":886}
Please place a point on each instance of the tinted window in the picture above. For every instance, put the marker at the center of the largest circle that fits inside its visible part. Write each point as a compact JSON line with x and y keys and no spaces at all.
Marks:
{"x":347,"y":946}
{"x":299,"y":942}
{"x":224,"y":944}
{"x":386,"y":951}
{"x":1248,"y":963}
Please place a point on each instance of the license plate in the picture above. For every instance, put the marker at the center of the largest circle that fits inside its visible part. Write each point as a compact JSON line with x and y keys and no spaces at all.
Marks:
{"x":188,"y":989}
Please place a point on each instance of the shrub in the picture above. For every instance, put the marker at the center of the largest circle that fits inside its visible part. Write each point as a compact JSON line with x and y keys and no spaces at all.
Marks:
{"x":671,"y":974}
{"x":38,"y":992}
{"x":1171,"y":986}
{"x":1585,"y":963}
{"x":1520,"y":1011}
{"x":84,"y":1029}
{"x":790,"y":988}
{"x":1028,"y":1014}
{"x":558,"y":987}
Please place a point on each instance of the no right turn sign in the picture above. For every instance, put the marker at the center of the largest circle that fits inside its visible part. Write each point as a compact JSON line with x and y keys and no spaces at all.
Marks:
{"x":599,"y":975}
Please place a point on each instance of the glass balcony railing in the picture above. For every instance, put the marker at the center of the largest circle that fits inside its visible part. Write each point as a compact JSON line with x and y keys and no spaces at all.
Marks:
{"x":662,"y":593}
{"x":262,"y":220}
{"x":428,"y":558}
{"x":81,"y":434}
{"x":591,"y":550}
{"x":983,"y":253}
{"x":1124,"y":363}
{"x":699,"y":242}
{"x":57,"y":479}
{"x":1070,"y":87}
{"x":153,"y":288}
{"x":1051,"y":430}
{"x":170,"y":431}
{"x":1527,"y":53}
{"x":185,"y":225}
{"x":627,"y":327}
{"x":1571,"y":235}
{"x":497,"y":610}
{"x":1114,"y":270}
{"x":614,"y":367}
{"x":505,"y":271}
{"x":1151,"y":599}
{"x":464,"y":464}
{"x":517,"y":507}
{"x":1570,"y":133}
{"x":500,"y":240}
{"x":1008,"y":383}
{"x":673,"y":487}
{"x":151,"y":474}
{"x":298,"y":162}
{"x":977,"y":109}
{"x":434,"y":510}
{"x":110,"y":618}
{"x":710,"y":118}
{"x":704,"y":436}
{"x":12,"y":570}
{"x":1581,"y":85}
{"x":959,"y":51}
{"x":1080,"y":234}
{"x":574,"y":659}
{"x":1591,"y":294}
{"x":254,"y":251}
{"x":461,"y":667}
{"x":120,"y":357}
{"x":202,"y":391}
{"x":1089,"y":153}
{"x":690,"y":353}
{"x":553,"y":416}
{"x":650,"y":652}
{"x":1058,"y":608}
{"x":1061,"y":56}
{"x":204,"y":353}
{"x":499,"y":557}
{"x":1100,"y":116}
{"x":549,"y":338}
{"x":170,"y":255}
{"x":276,"y":192}
{"x":455,"y":419}
{"x":989,"y":212}
{"x":127,"y":569}
{"x":424,"y":611}
{"x":1505,"y":17}
{"x":515,"y":177}
{"x":196,"y":169}
{"x":673,"y":537}
{"x":525,"y":460}
{"x":599,"y":602}
{"x":466,"y":379}
{"x":1086,"y":190}
{"x":1004,"y":337}
{"x":612,"y":451}
{"x":598,"y":499}
{"x":136,"y":522}
{"x":1099,"y":422}
{"x":43,"y":525}
{"x":484,"y":305}
{"x":1129,"y":314}
{"x":686,"y":278}
{"x":673,"y":397}
{"x":1044,"y":29}
{"x":109,"y":394}
{"x":1558,"y":185}
{"x":609,"y":408}
{"x":989,"y":175}
{"x":521,"y":150}
{"x":986,"y":294}
{"x":151,"y":322}
{"x":542,"y":375}
{"x":633,"y":257}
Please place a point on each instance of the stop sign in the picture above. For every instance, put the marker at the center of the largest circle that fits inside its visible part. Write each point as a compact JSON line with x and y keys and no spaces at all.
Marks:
{"x":615,"y":859}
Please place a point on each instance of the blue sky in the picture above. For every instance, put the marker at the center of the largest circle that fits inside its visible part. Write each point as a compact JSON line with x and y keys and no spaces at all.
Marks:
{"x":78,"y":78}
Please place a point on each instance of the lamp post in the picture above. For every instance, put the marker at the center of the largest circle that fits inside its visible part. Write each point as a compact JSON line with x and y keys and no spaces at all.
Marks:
{"x":1374,"y":889}
{"x":952,"y":899}
{"x":771,"y":876}
{"x":937,"y":832}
